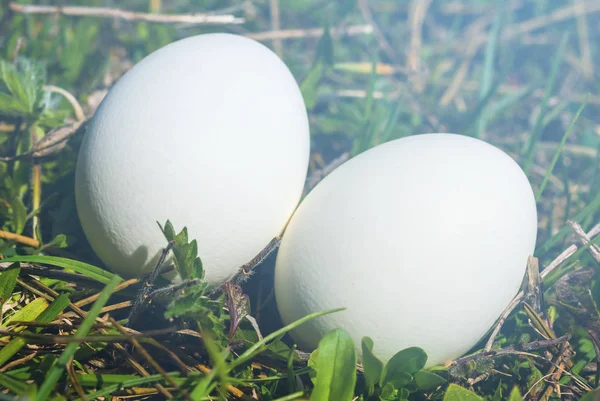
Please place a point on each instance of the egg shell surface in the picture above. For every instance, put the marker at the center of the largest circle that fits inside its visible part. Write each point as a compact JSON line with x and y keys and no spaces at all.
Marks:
{"x":423,"y":239}
{"x":210,"y":132}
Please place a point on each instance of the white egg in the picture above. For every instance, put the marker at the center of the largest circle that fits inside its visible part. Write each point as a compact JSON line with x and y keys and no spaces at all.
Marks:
{"x":424,"y":240}
{"x":210,"y":132}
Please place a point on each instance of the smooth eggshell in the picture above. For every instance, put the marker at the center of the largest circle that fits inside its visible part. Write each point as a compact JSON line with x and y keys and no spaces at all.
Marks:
{"x":210,"y":132}
{"x":423,"y":239}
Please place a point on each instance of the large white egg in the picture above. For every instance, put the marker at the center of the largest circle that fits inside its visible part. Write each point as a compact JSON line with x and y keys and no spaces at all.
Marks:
{"x":210,"y":132}
{"x":424,"y":240}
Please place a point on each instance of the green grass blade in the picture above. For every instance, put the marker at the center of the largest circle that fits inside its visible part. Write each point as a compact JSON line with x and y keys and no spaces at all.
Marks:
{"x":49,"y":314}
{"x":8,"y":281}
{"x":58,"y":368}
{"x":28,"y":313}
{"x":536,"y":132}
{"x":559,"y":150}
{"x":260,"y":346}
{"x":14,"y":385}
{"x":114,"y":384}
{"x":489,"y":61}
{"x":86,"y":269}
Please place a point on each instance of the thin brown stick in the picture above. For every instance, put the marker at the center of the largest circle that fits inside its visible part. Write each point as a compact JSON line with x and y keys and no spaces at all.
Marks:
{"x":532,"y":346}
{"x":585,"y":240}
{"x":368,"y":17}
{"x":151,"y":360}
{"x":18,"y":362}
{"x":315,"y":178}
{"x":36,"y":187}
{"x":121,"y":286}
{"x":417,"y":18}
{"x":113,"y":307}
{"x":105,"y":12}
{"x":20,"y":239}
{"x":276,"y":26}
{"x":352,"y":30}
{"x":233,"y":390}
{"x":584,"y":40}
{"x":73,"y":378}
{"x":77,"y":109}
{"x":66,"y":339}
{"x":474,"y":33}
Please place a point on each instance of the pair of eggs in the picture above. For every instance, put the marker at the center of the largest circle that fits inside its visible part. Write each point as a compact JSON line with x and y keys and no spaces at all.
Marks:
{"x":423,"y":239}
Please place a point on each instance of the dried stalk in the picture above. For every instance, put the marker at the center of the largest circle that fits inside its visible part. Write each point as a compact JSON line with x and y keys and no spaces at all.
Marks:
{"x":585,"y":240}
{"x":77,"y":109}
{"x":352,"y":30}
{"x":20,"y":239}
{"x":368,"y":17}
{"x":413,"y":62}
{"x":105,"y":12}
{"x":276,"y":26}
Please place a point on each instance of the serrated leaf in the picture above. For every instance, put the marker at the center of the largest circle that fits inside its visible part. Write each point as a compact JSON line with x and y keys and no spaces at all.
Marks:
{"x":336,"y":369}
{"x":406,"y":362}
{"x":427,"y":380}
{"x":187,"y":262}
{"x":458,"y":393}
{"x":8,"y":281}
{"x":371,"y":364}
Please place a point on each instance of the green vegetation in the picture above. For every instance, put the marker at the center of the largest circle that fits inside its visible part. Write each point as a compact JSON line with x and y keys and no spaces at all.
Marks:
{"x":520,"y":75}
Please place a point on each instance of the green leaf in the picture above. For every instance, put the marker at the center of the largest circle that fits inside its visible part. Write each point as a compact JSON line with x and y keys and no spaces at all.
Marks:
{"x":8,"y":281}
{"x":57,"y":369}
{"x":313,"y":362}
{"x":428,"y":381}
{"x":310,"y":85}
{"x":593,"y":395}
{"x":96,"y":273}
{"x":261,"y":345}
{"x":336,"y":370}
{"x":406,"y":362}
{"x":187,"y":262}
{"x":371,"y":364}
{"x":19,"y":215}
{"x":17,"y":386}
{"x":498,"y":393}
{"x":324,"y":52}
{"x":515,"y":395}
{"x":458,"y":393}
{"x":387,"y":392}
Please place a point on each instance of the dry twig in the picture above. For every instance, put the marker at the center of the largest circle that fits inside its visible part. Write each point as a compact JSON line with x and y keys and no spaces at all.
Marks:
{"x":352,"y":30}
{"x":105,"y":12}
